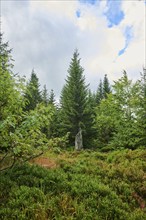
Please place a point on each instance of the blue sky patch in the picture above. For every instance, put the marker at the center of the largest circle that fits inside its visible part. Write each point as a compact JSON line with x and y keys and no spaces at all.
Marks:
{"x":92,"y":2}
{"x":128,"y":35}
{"x":78,"y":13}
{"x":122,"y":51}
{"x":114,"y":13}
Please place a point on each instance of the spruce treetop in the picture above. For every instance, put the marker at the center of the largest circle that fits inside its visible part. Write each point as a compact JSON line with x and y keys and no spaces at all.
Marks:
{"x":74,"y":100}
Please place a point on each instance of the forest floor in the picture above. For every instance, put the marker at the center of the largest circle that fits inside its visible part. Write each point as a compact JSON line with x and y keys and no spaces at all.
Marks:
{"x":45,"y":162}
{"x":75,"y":185}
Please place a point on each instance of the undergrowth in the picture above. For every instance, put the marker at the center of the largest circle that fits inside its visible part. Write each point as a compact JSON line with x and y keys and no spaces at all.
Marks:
{"x":84,"y":185}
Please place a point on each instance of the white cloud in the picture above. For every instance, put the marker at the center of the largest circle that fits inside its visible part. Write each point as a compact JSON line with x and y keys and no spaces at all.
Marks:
{"x":56,"y":9}
{"x":107,"y":61}
{"x":134,"y":57}
{"x":44,"y":35}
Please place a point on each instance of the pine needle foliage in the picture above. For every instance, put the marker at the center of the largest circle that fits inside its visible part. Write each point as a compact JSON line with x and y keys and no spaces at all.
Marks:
{"x":74,"y":99}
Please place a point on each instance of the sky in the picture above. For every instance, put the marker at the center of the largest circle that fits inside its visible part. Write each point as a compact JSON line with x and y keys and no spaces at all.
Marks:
{"x":109,"y":35}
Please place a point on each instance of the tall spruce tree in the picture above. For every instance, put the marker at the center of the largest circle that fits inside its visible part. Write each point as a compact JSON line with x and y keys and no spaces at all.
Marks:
{"x":99,"y":93}
{"x":45,"y":96}
{"x":142,"y":109}
{"x":52,"y":97}
{"x":33,"y":94}
{"x":92,"y":99}
{"x":106,"y":87}
{"x":5,"y":56}
{"x":74,"y":101}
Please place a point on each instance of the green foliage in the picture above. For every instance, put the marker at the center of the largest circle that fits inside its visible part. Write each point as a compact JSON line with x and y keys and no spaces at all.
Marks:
{"x":59,"y":142}
{"x":86,"y":185}
{"x":21,"y":134}
{"x":74,"y":101}
{"x":106,"y":87}
{"x":56,"y":125}
{"x":27,"y":139}
{"x":99,"y":93}
{"x":30,"y":132}
{"x":74,"y":96}
{"x":11,"y":100}
{"x":32,"y":94}
{"x":5,"y":56}
{"x":45,"y":95}
{"x":52,"y":98}
{"x":103,"y":90}
{"x":26,"y":199}
{"x":118,"y":119}
{"x":126,"y":99}
{"x":141,"y":109}
{"x":106,"y":117}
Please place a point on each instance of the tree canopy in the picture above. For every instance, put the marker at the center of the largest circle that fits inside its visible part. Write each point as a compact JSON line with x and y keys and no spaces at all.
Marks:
{"x":33,"y":94}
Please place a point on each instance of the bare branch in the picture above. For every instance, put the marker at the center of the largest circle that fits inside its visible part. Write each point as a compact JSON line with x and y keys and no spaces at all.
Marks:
{"x":3,"y":157}
{"x":34,"y":156}
{"x":9,"y":167}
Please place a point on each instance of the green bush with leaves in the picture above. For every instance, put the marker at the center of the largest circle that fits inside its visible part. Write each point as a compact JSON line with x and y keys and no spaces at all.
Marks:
{"x":21,"y":133}
{"x":118,"y":117}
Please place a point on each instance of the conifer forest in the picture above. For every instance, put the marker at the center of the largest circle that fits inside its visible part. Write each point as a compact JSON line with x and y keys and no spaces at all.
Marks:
{"x":42,"y":175}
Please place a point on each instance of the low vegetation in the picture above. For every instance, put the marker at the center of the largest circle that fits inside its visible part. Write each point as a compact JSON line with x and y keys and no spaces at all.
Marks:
{"x":81,"y":185}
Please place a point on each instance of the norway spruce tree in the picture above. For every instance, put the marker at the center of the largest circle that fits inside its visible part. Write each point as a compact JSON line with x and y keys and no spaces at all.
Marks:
{"x":99,"y":93}
{"x":52,"y":97}
{"x":106,"y":86}
{"x":33,"y":94}
{"x":74,"y":101}
{"x":141,"y":119}
{"x":45,"y":96}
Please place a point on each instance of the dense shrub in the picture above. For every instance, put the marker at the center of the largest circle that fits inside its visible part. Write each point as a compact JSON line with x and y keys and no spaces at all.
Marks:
{"x":84,"y":185}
